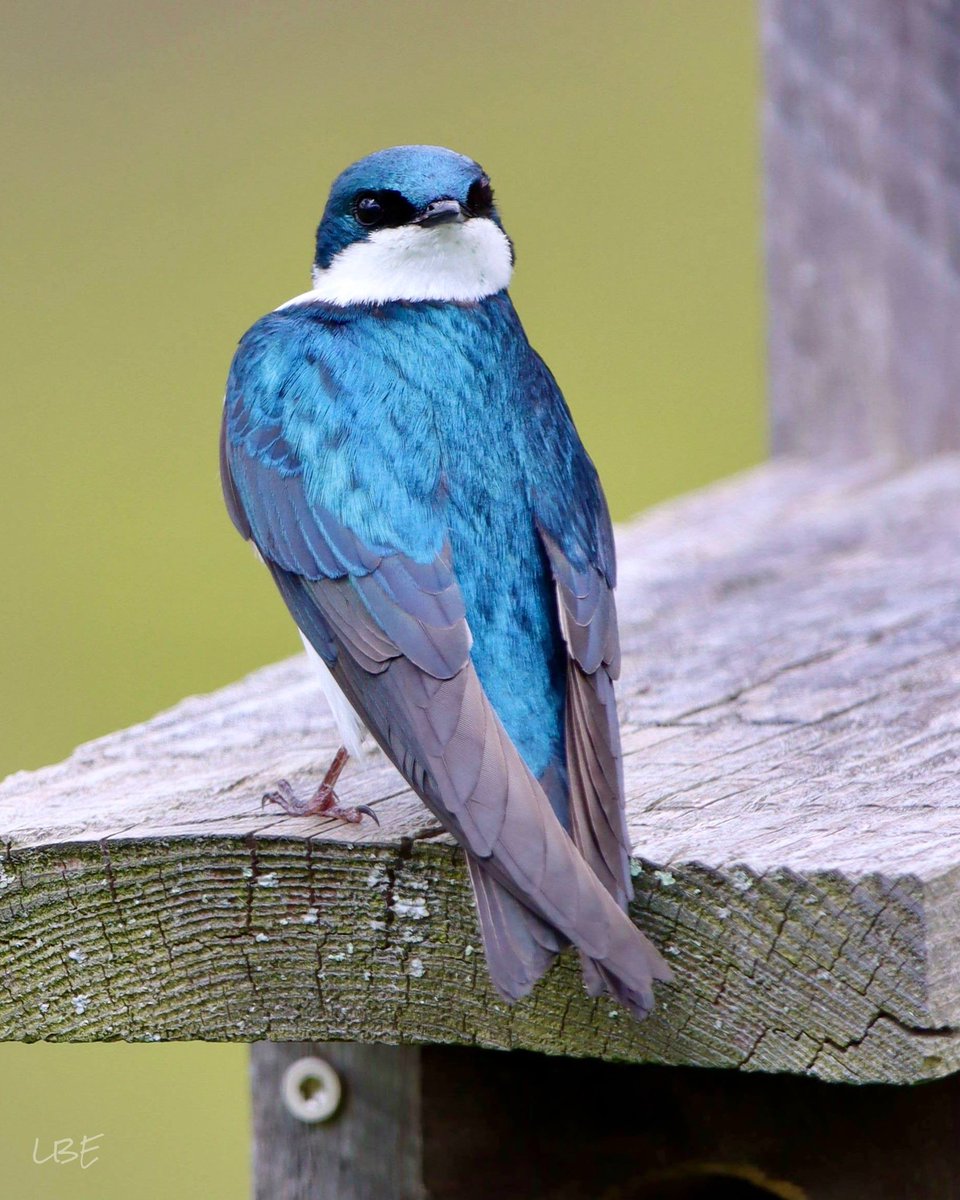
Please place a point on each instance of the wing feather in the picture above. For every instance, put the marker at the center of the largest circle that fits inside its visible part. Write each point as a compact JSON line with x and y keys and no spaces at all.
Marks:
{"x":588,"y":622}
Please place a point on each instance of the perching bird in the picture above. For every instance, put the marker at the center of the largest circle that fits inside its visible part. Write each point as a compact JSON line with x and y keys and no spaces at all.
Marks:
{"x":408,"y":469}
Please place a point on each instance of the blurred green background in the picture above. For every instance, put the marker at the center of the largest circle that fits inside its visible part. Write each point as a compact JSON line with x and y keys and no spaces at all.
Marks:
{"x":164,"y":166}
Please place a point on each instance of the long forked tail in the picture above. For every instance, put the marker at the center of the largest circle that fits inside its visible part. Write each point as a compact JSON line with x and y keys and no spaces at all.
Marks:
{"x":520,"y":946}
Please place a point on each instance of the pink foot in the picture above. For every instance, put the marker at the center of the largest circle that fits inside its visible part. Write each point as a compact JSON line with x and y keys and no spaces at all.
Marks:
{"x":324,"y":800}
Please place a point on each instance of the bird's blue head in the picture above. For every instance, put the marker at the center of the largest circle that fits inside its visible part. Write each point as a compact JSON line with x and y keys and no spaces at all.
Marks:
{"x":411,"y":223}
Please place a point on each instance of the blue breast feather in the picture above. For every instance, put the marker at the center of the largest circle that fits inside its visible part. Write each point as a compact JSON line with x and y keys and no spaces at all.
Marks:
{"x":412,"y":426}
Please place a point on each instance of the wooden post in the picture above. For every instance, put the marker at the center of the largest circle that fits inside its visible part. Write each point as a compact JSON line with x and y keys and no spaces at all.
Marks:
{"x":534,"y":1127}
{"x":370,"y":1146}
{"x":861,"y":122}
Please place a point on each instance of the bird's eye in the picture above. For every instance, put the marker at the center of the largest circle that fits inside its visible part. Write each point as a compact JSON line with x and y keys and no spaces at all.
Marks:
{"x":480,"y":197}
{"x":387,"y":207}
{"x":368,"y":210}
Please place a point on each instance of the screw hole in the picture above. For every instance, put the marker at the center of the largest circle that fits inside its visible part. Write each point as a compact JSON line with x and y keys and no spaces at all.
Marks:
{"x":310,"y":1086}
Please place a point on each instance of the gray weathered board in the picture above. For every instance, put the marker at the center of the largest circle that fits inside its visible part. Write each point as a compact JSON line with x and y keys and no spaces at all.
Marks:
{"x":791,"y":713}
{"x":861,"y":147}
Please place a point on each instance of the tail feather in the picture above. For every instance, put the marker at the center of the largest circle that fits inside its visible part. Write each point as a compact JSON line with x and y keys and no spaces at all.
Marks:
{"x":519,"y":946}
{"x":592,"y":979}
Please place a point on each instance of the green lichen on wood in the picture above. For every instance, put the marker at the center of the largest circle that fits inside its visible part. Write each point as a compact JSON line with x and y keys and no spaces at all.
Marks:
{"x":290,"y":939}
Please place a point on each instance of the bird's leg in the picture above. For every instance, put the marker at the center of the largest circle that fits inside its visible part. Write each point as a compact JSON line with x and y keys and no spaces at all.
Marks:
{"x":324,"y":800}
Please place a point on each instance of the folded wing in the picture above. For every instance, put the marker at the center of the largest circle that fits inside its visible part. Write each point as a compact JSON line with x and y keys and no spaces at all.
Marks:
{"x":588,"y":622}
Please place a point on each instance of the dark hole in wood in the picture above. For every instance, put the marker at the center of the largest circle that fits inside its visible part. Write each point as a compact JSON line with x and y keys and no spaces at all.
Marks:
{"x":534,"y":1127}
{"x":310,"y":1086}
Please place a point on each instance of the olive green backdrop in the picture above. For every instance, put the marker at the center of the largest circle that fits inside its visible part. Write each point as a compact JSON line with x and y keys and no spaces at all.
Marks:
{"x":164,"y":166}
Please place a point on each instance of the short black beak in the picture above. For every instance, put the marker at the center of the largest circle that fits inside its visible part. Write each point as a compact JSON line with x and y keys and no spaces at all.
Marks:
{"x":440,"y":212}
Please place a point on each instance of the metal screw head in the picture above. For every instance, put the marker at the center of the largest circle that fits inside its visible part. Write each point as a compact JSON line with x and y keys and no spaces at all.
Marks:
{"x":311,"y":1090}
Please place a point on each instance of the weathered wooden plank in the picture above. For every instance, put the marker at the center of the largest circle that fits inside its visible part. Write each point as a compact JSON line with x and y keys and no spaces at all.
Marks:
{"x":791,"y":705}
{"x":369,"y":1150}
{"x":861,"y":139}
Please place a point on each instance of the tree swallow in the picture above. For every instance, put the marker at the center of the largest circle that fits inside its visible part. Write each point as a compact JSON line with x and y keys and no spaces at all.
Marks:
{"x":408,"y":469}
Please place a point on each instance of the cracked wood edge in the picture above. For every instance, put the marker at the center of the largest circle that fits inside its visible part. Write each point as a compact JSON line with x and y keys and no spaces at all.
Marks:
{"x":242,"y":940}
{"x":791,"y":702}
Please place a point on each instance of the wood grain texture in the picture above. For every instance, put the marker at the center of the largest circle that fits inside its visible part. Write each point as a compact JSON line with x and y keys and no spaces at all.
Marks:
{"x":371,"y":1149}
{"x":861,"y":131}
{"x":791,"y":712}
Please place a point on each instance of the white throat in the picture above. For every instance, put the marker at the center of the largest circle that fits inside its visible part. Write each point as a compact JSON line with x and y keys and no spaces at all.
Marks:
{"x":463,"y":262}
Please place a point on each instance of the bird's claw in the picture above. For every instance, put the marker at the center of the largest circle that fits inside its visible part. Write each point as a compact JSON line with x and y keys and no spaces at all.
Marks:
{"x":323,"y":803}
{"x":283,"y":794}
